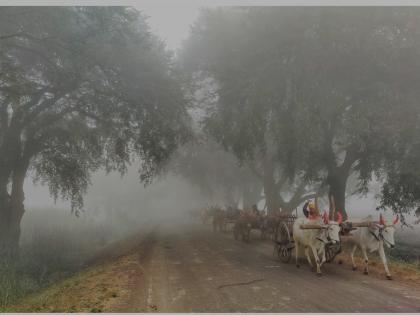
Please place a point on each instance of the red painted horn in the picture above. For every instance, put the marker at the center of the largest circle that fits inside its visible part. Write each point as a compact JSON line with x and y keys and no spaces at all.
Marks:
{"x":326,"y":218}
{"x":339,"y":217}
{"x":395,"y":219}
{"x":381,"y":220}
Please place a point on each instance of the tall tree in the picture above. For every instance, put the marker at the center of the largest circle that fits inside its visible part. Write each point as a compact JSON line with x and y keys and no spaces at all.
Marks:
{"x":80,"y":88}
{"x":235,"y":49}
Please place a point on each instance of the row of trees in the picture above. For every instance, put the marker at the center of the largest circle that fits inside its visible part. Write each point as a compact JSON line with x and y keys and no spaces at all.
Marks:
{"x":309,"y":97}
{"x":293,"y":102}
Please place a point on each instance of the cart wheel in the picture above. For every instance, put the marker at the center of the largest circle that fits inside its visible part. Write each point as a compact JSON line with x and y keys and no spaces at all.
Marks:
{"x":284,"y":253}
{"x":329,"y":254}
{"x":284,"y":243}
{"x":331,"y":251}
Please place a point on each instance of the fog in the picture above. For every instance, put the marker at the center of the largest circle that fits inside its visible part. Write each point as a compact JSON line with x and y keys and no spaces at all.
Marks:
{"x":137,"y":118}
{"x":168,"y":195}
{"x":122,"y":203}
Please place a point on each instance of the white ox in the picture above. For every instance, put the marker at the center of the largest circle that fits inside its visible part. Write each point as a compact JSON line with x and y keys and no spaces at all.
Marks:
{"x":316,"y":239}
{"x":373,"y":238}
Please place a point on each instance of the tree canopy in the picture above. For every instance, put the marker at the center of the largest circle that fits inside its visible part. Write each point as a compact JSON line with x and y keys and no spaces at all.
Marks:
{"x":81,"y":88}
{"x":325,"y":91}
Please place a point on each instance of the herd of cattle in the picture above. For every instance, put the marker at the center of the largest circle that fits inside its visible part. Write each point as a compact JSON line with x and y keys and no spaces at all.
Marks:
{"x":314,"y":236}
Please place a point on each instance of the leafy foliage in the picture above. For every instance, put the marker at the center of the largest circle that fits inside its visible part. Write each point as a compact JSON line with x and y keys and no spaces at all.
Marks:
{"x":82,"y":88}
{"x":325,"y":91}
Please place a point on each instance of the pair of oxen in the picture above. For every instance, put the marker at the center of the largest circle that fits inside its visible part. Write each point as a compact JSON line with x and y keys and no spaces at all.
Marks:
{"x":368,"y":235}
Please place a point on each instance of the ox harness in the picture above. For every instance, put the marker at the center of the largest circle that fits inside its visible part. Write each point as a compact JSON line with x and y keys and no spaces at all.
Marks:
{"x":380,"y":236}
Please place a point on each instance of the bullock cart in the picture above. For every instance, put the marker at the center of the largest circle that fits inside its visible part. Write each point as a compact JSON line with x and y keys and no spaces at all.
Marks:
{"x":284,"y":243}
{"x":283,"y":237}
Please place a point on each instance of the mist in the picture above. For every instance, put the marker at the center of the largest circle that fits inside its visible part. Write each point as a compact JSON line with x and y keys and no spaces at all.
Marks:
{"x":120,"y":204}
{"x":122,"y":126}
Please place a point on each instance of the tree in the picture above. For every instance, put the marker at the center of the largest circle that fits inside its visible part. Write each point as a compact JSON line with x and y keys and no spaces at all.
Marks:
{"x":232,"y":47}
{"x":319,"y":93}
{"x":355,"y":118}
{"x":80,"y":88}
{"x":401,"y":176}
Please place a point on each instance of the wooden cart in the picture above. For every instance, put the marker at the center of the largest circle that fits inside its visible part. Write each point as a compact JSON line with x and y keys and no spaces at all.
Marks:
{"x":284,"y":244}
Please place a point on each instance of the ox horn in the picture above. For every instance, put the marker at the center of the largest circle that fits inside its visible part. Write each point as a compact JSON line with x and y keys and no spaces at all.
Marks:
{"x":395,"y":220}
{"x":325,"y":217}
{"x":381,"y":219}
{"x":339,"y":217}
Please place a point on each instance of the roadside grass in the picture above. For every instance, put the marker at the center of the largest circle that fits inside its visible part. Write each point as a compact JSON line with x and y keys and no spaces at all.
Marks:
{"x":48,"y":254}
{"x":97,"y":281}
{"x":97,"y":289}
{"x":10,"y":286}
{"x":104,"y":285}
{"x":403,"y":262}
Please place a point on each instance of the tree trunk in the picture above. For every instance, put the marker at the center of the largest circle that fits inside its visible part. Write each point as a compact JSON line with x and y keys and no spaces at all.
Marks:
{"x":337,"y":179}
{"x":11,"y":213}
{"x":270,"y":190}
{"x":271,"y":194}
{"x":10,"y":217}
{"x":337,"y":189}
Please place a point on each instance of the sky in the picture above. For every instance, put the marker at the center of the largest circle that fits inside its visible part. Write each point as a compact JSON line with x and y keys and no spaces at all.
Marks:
{"x":170,"y":22}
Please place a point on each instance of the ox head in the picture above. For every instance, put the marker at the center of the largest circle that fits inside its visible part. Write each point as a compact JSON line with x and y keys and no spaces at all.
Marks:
{"x":332,"y":228}
{"x":386,"y":231}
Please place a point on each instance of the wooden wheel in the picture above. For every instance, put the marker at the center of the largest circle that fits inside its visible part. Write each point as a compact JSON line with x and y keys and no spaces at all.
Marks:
{"x":283,"y":243}
{"x":332,"y":250}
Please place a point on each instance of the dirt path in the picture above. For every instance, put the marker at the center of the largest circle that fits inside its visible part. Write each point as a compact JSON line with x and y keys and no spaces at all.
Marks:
{"x":191,"y":269}
{"x":188,"y":268}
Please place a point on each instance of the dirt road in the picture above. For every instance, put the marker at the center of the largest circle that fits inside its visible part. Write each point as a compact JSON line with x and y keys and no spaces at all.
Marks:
{"x":191,"y":269}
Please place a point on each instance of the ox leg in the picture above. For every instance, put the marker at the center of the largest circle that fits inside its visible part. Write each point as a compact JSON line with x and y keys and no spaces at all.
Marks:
{"x":366,"y":271}
{"x":353,"y":250}
{"x":308,"y":257}
{"x":318,"y":267}
{"x":297,"y":254}
{"x":323,"y":255}
{"x":383,"y":258}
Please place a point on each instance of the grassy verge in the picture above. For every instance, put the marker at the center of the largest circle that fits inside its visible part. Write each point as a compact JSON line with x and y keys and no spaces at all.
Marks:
{"x":100,"y":288}
{"x":54,"y":246}
{"x":403,"y":265}
{"x":105,"y":283}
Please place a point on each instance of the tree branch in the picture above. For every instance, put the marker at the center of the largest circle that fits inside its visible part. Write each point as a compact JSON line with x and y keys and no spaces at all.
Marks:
{"x":352,"y":154}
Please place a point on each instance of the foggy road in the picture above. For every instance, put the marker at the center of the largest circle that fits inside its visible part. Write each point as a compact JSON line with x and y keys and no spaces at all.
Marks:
{"x":191,"y":269}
